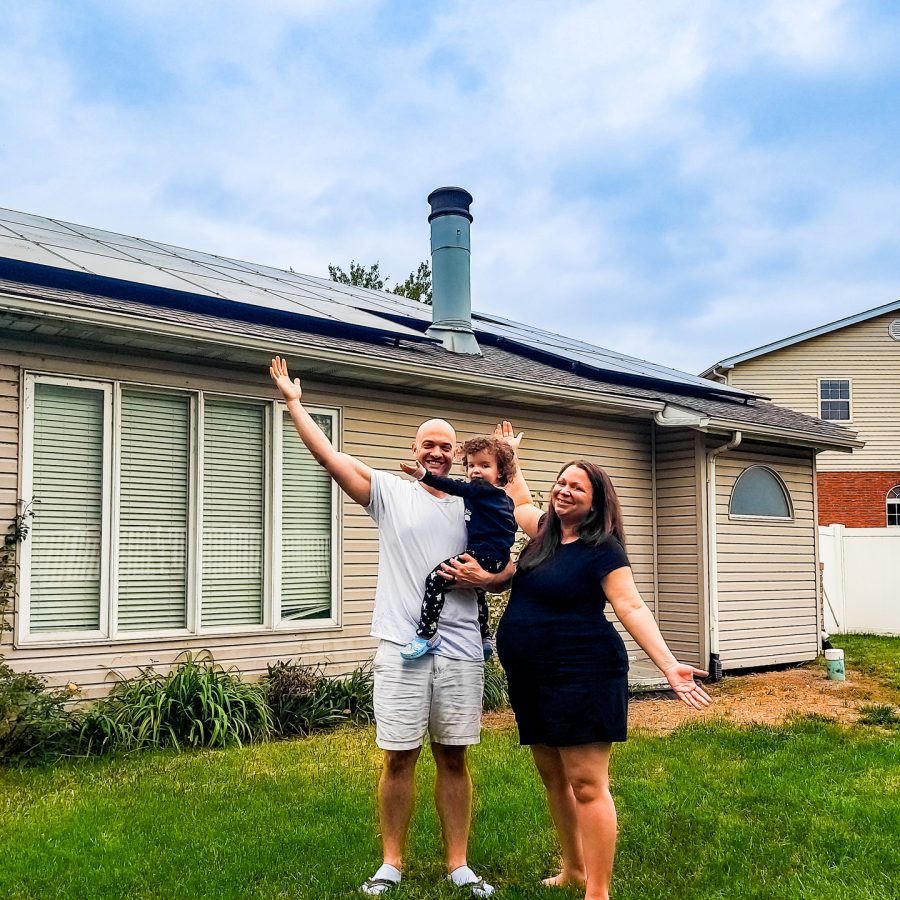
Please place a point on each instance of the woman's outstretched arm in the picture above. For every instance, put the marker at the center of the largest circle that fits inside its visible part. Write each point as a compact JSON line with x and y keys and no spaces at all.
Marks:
{"x":638,"y":621}
{"x":528,"y":515}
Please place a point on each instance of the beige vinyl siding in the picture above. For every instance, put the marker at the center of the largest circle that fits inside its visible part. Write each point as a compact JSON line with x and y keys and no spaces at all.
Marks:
{"x":767,"y":581}
{"x":864,"y":353}
{"x":377,"y":426}
{"x":679,"y":527}
{"x":9,"y":456}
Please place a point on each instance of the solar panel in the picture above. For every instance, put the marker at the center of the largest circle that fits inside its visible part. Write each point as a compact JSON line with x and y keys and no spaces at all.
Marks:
{"x":26,"y":251}
{"x":20,"y":218}
{"x":32,"y":239}
{"x":572,"y":349}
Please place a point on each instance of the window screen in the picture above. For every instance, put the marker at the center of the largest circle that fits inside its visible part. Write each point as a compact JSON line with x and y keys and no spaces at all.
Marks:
{"x":233,"y":513}
{"x":154,"y":496}
{"x":65,"y":587}
{"x":306,"y":527}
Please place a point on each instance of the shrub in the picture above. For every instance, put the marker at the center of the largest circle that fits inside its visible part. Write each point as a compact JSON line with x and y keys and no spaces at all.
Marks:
{"x":356,"y":694}
{"x":496,"y":695}
{"x":34,"y":722}
{"x":303,"y":699}
{"x":197,"y":704}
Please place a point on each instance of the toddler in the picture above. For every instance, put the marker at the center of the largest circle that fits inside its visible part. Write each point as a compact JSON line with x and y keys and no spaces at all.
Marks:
{"x":491,"y":524}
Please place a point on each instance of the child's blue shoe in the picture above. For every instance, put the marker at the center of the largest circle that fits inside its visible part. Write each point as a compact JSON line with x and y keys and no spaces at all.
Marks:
{"x":418,"y":646}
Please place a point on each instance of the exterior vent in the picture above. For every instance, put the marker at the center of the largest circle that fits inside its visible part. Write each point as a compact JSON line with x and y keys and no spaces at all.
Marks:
{"x":894,"y":329}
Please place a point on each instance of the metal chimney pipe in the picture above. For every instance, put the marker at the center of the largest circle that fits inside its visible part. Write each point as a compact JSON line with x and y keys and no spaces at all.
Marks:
{"x":451,"y":283}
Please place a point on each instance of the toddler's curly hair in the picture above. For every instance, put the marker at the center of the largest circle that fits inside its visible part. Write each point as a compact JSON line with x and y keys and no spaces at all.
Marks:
{"x":499,"y":449}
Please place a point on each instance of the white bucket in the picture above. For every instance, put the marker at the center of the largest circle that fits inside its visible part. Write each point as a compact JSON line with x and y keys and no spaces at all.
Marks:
{"x":834,"y":664}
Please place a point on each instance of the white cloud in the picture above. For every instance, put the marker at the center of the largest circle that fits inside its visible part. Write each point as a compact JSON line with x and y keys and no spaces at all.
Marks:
{"x":301,"y":134}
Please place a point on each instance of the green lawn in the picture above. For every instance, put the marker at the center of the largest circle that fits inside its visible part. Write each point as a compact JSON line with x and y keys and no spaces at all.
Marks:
{"x":872,"y":654}
{"x":809,"y":810}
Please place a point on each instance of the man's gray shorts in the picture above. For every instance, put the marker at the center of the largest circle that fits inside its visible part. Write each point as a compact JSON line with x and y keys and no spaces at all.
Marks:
{"x":430,"y":694}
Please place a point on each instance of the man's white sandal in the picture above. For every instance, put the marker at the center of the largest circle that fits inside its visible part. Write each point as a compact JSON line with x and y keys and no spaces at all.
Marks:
{"x":476,"y":886}
{"x":379,"y":883}
{"x":375,"y":886}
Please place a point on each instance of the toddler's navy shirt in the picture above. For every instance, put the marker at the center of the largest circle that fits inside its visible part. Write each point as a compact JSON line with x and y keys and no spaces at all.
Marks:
{"x":490,"y":513}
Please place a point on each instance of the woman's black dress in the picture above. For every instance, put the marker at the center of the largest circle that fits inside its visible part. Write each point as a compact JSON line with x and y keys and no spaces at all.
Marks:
{"x":565,"y":662}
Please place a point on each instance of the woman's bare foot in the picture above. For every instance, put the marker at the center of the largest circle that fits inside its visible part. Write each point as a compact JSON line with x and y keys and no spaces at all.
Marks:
{"x":565,"y":879}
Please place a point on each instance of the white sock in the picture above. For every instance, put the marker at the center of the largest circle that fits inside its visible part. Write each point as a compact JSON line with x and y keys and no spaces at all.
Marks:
{"x":463,"y":875}
{"x":391,"y":873}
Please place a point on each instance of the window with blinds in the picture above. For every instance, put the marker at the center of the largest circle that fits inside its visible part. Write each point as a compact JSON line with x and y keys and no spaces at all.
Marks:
{"x":67,"y":487}
{"x":233,"y":512}
{"x":154,"y":499}
{"x":306,"y":527}
{"x":136,"y":533}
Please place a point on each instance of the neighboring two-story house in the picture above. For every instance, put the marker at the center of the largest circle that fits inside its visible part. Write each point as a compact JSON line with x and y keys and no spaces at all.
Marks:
{"x":847,"y":372}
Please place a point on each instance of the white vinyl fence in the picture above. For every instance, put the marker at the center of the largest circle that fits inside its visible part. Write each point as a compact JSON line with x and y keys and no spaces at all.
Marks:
{"x":861,"y":577}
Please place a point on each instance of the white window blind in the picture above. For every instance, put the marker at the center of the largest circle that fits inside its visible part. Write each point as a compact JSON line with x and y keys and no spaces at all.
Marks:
{"x":233,"y":512}
{"x":306,"y":528}
{"x":65,"y":584}
{"x":154,"y":498}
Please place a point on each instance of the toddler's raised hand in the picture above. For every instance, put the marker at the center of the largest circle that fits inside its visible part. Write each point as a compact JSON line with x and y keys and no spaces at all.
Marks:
{"x":417,"y":471}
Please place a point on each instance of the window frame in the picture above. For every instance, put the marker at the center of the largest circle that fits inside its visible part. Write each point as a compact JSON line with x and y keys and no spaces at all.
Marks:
{"x":23,"y":576}
{"x":745,"y":517}
{"x":333,"y":621}
{"x":849,"y":381}
{"x":888,"y":500}
{"x":109,"y":632}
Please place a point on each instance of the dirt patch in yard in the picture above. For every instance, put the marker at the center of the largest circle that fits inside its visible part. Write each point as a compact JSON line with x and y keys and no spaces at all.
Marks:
{"x":766,"y":697}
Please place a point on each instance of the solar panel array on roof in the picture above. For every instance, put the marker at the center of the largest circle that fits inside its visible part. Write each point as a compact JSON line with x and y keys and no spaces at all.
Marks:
{"x":77,"y":248}
{"x":593,"y":357}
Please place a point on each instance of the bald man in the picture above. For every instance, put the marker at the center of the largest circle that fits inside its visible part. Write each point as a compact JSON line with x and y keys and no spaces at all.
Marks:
{"x":439,"y":693}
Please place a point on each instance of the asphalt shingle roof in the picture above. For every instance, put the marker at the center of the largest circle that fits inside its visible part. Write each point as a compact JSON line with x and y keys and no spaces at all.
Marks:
{"x":496,"y":362}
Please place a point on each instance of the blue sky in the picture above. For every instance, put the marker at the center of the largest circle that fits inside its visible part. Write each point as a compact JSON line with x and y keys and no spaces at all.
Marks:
{"x":678,"y":181}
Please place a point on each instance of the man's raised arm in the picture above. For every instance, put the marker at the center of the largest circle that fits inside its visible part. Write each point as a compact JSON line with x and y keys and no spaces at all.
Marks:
{"x":353,"y":477}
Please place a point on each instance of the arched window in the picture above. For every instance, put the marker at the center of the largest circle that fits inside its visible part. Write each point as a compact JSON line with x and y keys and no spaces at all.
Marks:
{"x":760,"y":492}
{"x":893,"y":506}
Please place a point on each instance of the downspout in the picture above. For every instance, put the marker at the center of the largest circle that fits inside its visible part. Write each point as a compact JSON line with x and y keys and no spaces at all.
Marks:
{"x":715,"y":663}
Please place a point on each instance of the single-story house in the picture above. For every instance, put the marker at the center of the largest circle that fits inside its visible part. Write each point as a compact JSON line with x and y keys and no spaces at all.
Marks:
{"x":175,"y":509}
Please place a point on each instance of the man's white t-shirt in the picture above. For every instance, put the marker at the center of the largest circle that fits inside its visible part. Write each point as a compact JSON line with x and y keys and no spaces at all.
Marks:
{"x":416,"y":531}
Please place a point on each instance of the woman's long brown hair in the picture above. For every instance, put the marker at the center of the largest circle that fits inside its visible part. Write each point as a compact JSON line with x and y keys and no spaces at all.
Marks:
{"x":602,"y":522}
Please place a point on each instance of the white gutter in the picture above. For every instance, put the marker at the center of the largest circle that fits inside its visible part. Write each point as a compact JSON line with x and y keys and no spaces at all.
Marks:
{"x":715,"y":665}
{"x":672,"y":416}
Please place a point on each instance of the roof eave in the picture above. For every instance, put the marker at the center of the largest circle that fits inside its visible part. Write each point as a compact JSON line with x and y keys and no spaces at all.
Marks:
{"x":510,"y":389}
{"x":847,"y":321}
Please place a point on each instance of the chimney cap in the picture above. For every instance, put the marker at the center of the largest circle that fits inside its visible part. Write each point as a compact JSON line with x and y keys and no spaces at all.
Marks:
{"x":450,"y":201}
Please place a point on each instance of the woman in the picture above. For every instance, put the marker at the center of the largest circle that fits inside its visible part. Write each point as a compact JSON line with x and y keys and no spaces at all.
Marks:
{"x":566,"y":664}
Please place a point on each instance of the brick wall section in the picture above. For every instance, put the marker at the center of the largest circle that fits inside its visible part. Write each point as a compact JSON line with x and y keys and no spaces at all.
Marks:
{"x":854,"y":499}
